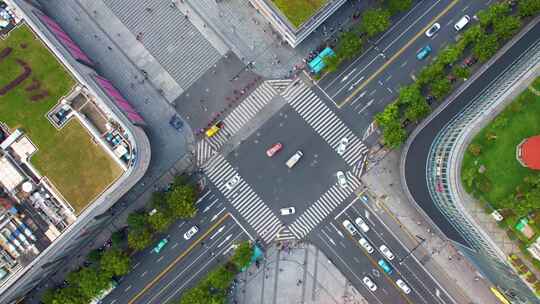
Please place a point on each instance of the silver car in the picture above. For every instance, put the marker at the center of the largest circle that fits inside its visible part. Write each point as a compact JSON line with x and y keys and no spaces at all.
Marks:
{"x":362,"y":224}
{"x":342,"y":180}
{"x":433,"y":29}
{"x":191,"y":232}
{"x":350,"y":227}
{"x":386,"y":252}
{"x":369,"y":283}
{"x":367,"y":246}
{"x":406,"y":289}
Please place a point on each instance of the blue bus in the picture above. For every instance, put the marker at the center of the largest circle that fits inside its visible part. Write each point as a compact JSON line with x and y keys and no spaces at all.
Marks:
{"x":317,"y":64}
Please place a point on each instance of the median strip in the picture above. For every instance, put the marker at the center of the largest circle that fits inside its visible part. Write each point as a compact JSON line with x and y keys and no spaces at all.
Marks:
{"x":178,"y":259}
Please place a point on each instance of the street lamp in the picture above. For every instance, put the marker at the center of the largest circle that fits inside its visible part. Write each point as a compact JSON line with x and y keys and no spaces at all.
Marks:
{"x":422,"y":240}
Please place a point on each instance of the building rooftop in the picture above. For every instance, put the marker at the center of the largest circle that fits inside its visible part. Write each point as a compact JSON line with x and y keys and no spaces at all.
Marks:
{"x":529,"y":152}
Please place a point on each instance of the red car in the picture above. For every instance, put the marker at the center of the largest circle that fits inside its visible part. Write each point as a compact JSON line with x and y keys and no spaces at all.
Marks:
{"x":274,"y":149}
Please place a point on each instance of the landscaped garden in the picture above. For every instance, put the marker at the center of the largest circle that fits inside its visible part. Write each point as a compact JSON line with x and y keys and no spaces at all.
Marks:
{"x":298,"y":11}
{"x":31,"y":83}
{"x":491,"y":173}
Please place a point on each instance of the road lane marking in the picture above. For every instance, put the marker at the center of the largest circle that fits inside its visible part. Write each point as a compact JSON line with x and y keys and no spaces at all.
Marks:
{"x":347,"y":207}
{"x":127,"y":288}
{"x":177,"y":259}
{"x":329,"y":238}
{"x":358,"y":74}
{"x":217,"y":214}
{"x":389,"y":90}
{"x":225,"y":240}
{"x":217,"y":232}
{"x":135,"y":266}
{"x":413,"y":24}
{"x":159,"y":259}
{"x":174,"y":246}
{"x":202,"y":197}
{"x":403,"y":64}
{"x":366,"y":106}
{"x":337,"y":230}
{"x":210,"y":206}
{"x":396,"y":55}
{"x":144,"y":273}
{"x":234,"y":218}
{"x":347,"y":76}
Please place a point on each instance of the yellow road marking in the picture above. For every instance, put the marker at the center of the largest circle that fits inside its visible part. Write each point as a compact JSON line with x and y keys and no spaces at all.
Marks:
{"x":396,"y":55}
{"x":180,"y":257}
{"x":376,"y":265}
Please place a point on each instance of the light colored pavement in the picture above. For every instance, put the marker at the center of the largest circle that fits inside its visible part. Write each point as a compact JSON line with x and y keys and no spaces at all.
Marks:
{"x":437,"y":255}
{"x":298,"y":273}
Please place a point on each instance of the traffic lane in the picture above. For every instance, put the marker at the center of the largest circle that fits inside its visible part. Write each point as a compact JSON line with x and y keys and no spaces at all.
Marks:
{"x":415,"y":275}
{"x":383,"y":51}
{"x":417,"y":295}
{"x":194,"y":267}
{"x":394,"y":31}
{"x":354,"y":266}
{"x":417,"y":154}
{"x":149,"y":264}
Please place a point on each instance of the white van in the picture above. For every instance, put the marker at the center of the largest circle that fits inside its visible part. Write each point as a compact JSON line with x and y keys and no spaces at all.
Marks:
{"x":462,"y":23}
{"x":294,"y":159}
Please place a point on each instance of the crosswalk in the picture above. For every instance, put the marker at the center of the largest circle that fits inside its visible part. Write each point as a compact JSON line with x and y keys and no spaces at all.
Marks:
{"x":324,"y":121}
{"x":244,"y":112}
{"x":243,"y":198}
{"x":284,"y":235}
{"x":280,"y":84}
{"x":327,"y":203}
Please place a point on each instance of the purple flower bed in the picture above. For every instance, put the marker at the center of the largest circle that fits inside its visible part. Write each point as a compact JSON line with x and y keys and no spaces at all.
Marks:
{"x":14,"y":83}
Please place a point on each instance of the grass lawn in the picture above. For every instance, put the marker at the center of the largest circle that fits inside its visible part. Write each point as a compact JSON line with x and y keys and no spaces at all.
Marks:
{"x":69,"y":158}
{"x":504,"y":173}
{"x":298,"y":11}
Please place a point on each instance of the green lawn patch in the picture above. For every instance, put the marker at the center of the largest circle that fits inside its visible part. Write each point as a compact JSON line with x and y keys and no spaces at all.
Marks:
{"x":497,"y":144}
{"x":298,"y":11}
{"x":77,"y":166}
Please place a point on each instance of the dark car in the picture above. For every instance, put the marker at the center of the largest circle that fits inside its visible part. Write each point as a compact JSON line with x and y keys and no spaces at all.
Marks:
{"x":176,"y":122}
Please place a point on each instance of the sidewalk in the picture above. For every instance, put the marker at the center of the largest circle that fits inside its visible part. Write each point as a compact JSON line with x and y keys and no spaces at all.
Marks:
{"x":300,"y":273}
{"x":454,"y":272}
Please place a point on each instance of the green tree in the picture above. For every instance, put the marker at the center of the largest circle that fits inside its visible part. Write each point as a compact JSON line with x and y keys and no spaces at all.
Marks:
{"x":440,"y":87}
{"x":349,"y":45}
{"x":116,"y":238}
{"x":181,"y":201}
{"x":505,"y":27}
{"x":529,"y":8}
{"x":475,"y":149}
{"x":394,"y":135}
{"x":139,"y":239}
{"x":472,"y":34}
{"x":495,"y":11}
{"x":462,"y":72}
{"x":114,"y":263}
{"x":409,"y":94}
{"x":375,"y":21}
{"x":160,"y":221}
{"x":389,"y":115}
{"x":486,"y":47}
{"x":94,"y":256}
{"x":67,"y":295}
{"x":417,"y":110}
{"x":137,"y":220}
{"x":89,"y":281}
{"x":196,"y":295}
{"x":331,"y":63}
{"x":448,"y":55}
{"x":397,"y":6}
{"x":242,"y":255}
{"x":159,"y":200}
{"x":430,"y":72}
{"x":220,"y":278}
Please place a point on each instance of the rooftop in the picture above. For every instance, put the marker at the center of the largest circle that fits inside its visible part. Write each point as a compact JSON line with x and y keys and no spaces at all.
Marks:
{"x":299,"y":11}
{"x":529,"y":153}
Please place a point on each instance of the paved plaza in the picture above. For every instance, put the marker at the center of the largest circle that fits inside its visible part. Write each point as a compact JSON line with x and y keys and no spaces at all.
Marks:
{"x":295,"y":274}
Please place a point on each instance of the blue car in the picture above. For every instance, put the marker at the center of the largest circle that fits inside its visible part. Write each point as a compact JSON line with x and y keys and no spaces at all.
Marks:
{"x":423,"y":53}
{"x":385,"y":266}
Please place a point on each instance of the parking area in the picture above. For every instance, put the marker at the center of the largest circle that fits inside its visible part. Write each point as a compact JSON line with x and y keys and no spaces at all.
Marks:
{"x":278,"y":185}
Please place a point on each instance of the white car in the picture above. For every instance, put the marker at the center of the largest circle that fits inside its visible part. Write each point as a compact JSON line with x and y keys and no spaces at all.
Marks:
{"x":360,"y":222}
{"x":342,"y":146}
{"x":350,"y":227}
{"x":433,"y":29}
{"x":287,"y":211}
{"x":403,"y":286}
{"x":369,"y":284}
{"x":232,"y":182}
{"x":367,"y":246}
{"x":386,"y":252}
{"x":191,"y":232}
{"x":341,"y":179}
{"x":462,"y":23}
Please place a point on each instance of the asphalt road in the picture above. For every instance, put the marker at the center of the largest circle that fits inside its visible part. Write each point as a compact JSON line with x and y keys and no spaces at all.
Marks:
{"x":161,"y":277}
{"x":419,"y":148}
{"x":355,"y":262}
{"x":366,"y":85}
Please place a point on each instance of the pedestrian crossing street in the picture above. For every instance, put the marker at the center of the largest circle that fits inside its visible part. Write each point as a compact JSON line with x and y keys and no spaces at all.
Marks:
{"x":234,"y":121}
{"x":324,"y":121}
{"x":327,"y":203}
{"x":243,"y":198}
